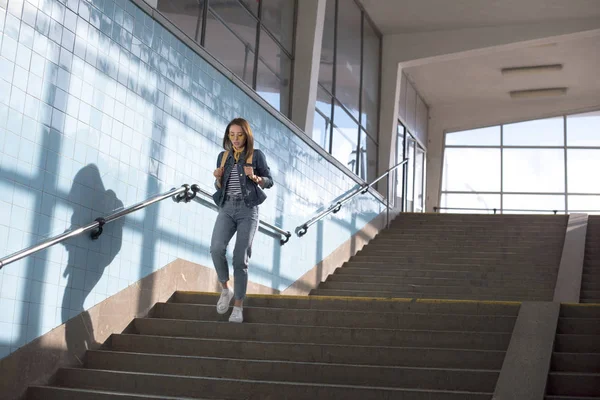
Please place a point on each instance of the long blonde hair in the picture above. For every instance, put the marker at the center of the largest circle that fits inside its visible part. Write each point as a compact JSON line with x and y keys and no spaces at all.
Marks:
{"x":242,"y":123}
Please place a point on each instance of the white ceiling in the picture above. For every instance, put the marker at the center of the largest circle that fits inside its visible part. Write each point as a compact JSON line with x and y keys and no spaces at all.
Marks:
{"x":406,"y":16}
{"x":479,"y":78}
{"x":476,"y":77}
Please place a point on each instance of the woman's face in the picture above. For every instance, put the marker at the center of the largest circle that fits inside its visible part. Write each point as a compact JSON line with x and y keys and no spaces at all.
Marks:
{"x":237,"y":136}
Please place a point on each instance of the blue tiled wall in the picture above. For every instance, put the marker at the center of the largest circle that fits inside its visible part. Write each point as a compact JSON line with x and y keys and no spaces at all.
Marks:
{"x":100,"y":106}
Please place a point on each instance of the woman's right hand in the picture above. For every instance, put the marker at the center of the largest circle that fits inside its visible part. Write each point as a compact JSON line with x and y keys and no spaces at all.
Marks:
{"x":218,"y":173}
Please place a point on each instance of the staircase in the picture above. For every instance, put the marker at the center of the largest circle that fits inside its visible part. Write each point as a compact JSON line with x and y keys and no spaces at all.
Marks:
{"x":457,"y":256}
{"x":575,"y":368}
{"x":298,"y":348}
{"x":590,"y":283}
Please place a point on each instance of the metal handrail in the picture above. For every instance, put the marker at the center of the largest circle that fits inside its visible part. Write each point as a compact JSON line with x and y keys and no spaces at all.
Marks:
{"x":436,"y":209}
{"x":286,"y":234}
{"x":183,"y":193}
{"x":335,"y":207}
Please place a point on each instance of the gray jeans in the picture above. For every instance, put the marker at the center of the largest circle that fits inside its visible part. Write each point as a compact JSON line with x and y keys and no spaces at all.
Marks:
{"x":234,"y":216}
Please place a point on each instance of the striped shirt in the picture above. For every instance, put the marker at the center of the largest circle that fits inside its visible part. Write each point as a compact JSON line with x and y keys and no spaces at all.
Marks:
{"x":233,"y":183}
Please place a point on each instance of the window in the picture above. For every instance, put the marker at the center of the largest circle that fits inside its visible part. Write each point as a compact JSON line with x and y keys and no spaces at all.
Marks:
{"x":349,"y":77}
{"x":233,"y":30}
{"x":541,"y":132}
{"x":471,"y":170}
{"x":526,"y":167}
{"x":533,"y":170}
{"x":583,"y":129}
{"x":344,"y":141}
{"x":475,"y":137}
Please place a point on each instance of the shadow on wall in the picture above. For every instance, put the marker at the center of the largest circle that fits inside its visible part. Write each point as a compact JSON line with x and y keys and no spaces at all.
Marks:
{"x":88,"y":259}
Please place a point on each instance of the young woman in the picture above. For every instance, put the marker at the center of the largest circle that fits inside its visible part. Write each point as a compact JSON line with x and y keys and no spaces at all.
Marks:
{"x":241,"y":175}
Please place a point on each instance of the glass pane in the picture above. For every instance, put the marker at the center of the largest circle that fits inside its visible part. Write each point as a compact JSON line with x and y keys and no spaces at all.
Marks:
{"x":399,"y":157}
{"x":422,"y":119}
{"x":523,"y":203}
{"x":472,"y":170}
{"x":185,"y":14}
{"x":471,"y":203}
{"x":347,"y":79}
{"x":278,"y":17}
{"x":327,"y":48}
{"x":410,"y":174}
{"x":237,"y":18}
{"x":587,"y":204}
{"x":227,"y":48}
{"x":419,"y":169}
{"x":402,"y":100}
{"x":345,"y":138}
{"x":322,"y":120}
{"x":540,"y":132}
{"x":368,"y":158}
{"x":583,"y":167}
{"x":489,"y":136}
{"x":370,"y":92}
{"x":273,"y":89}
{"x":320,"y":132}
{"x":534,"y":170}
{"x":272,"y":55}
{"x":411,"y":107}
{"x":273,"y":78}
{"x":251,"y":4}
{"x":583,"y":129}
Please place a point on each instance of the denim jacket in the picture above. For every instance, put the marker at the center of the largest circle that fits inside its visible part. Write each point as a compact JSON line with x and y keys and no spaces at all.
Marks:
{"x":252,"y":192}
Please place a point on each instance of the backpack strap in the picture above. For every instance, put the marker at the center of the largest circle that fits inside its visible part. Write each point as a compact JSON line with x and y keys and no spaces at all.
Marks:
{"x":249,"y":159}
{"x":224,"y":158}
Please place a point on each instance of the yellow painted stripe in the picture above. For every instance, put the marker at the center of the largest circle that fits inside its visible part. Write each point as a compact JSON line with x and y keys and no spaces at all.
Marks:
{"x":375,"y":299}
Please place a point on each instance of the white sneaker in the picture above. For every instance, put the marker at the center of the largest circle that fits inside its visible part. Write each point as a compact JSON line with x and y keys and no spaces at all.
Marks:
{"x":224,"y":300}
{"x":237,"y":315}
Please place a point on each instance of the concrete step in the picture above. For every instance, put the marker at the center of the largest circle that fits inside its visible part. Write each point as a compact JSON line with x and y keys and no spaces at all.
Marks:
{"x":473,"y":380}
{"x":570,"y":398}
{"x":446,"y":281}
{"x":358,"y":304}
{"x":186,"y":386}
{"x":425,"y":258}
{"x":481,"y":236}
{"x":62,"y":393}
{"x":453,"y":265}
{"x":590,"y":300}
{"x":474,"y":246}
{"x":415,"y":295}
{"x":589,"y":286}
{"x":590,"y":278}
{"x":583,"y":326}
{"x":348,"y":319}
{"x":576,"y":343}
{"x":444,"y":271}
{"x":590,"y":296}
{"x":573,"y":384}
{"x":579,"y":311}
{"x":310,"y":352}
{"x":470,"y":247}
{"x":576,"y":362}
{"x":323,"y":335}
{"x":387,"y":289}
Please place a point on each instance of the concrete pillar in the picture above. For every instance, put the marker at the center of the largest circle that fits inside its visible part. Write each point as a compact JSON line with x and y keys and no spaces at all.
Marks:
{"x":527,"y":362}
{"x":568,"y":282}
{"x":388,"y":110}
{"x":309,"y":35}
{"x":152,"y":3}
